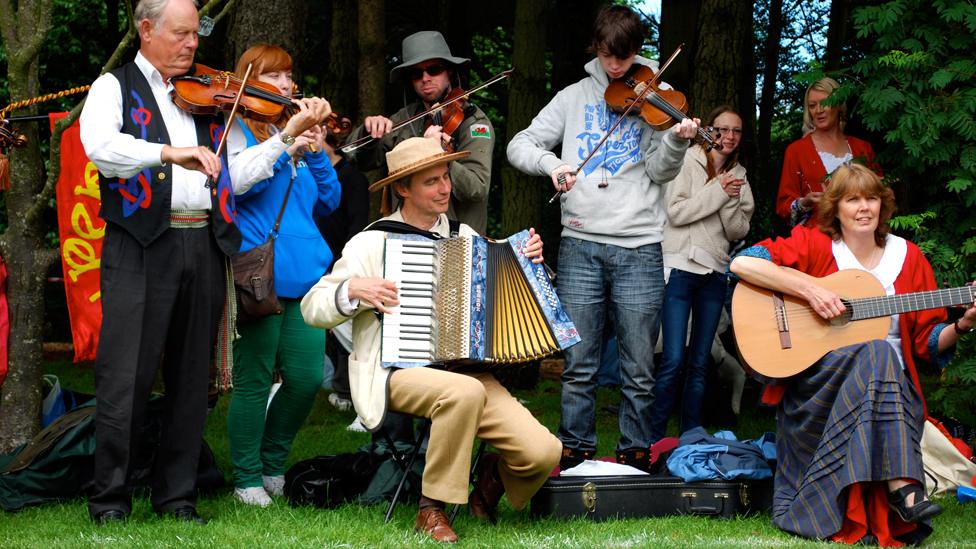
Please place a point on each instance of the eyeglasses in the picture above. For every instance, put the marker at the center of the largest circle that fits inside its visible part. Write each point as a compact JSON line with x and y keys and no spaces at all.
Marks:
{"x":416,"y":73}
{"x":737,"y":132}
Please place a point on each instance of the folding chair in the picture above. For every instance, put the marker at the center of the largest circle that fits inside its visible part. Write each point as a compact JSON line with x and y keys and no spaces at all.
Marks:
{"x":406,"y":461}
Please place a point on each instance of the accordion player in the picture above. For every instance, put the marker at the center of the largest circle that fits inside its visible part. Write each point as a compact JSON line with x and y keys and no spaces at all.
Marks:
{"x":469,"y":300}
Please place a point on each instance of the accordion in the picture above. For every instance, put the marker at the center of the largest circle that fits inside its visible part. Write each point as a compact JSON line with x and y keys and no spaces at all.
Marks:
{"x":469,"y":300}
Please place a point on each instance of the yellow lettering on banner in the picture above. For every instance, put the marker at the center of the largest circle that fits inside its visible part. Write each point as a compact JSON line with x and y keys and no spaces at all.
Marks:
{"x":91,"y":183}
{"x":81,"y":224}
{"x":80,"y":256}
{"x":95,"y":296}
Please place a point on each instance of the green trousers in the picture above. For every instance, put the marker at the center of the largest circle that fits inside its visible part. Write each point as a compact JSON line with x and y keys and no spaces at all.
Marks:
{"x":259,"y":439}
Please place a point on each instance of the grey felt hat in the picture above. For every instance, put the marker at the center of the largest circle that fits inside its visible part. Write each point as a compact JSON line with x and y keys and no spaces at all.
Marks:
{"x":423,"y":46}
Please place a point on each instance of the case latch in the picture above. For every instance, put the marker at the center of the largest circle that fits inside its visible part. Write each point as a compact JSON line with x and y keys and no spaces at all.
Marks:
{"x":589,"y":496}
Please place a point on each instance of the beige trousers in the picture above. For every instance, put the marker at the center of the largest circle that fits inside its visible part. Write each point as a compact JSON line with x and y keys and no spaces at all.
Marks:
{"x":462,"y":407}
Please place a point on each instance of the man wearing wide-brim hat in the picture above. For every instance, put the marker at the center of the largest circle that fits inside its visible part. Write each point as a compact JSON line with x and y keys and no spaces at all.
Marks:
{"x":460,"y":406}
{"x":429,"y":71}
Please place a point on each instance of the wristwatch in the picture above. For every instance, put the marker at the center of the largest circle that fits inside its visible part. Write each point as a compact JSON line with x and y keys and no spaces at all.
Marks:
{"x":286,"y":139}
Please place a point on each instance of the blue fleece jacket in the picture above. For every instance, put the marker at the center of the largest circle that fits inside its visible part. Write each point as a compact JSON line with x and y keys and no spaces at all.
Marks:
{"x":301,"y":255}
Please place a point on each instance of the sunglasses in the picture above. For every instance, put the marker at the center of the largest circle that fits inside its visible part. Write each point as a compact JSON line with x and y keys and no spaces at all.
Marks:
{"x":416,"y":73}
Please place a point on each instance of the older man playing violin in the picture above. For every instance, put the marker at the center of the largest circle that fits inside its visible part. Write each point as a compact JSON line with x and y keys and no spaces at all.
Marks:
{"x":431,"y":72}
{"x":167,"y":237}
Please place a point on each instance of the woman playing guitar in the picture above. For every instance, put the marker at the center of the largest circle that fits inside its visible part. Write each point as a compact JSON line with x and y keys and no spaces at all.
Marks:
{"x":850,"y":425}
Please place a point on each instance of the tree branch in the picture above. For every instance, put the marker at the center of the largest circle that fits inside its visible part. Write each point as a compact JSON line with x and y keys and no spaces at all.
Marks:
{"x":210,"y":6}
{"x":225,"y":11}
{"x":24,"y":51}
{"x":39,"y":205}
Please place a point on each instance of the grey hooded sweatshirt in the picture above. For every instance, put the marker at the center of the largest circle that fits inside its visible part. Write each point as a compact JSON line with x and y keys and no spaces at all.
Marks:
{"x":634,"y":162}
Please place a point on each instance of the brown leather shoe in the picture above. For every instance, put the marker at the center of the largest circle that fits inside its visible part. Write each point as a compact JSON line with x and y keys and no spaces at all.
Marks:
{"x":488,"y":489}
{"x":432,"y":521}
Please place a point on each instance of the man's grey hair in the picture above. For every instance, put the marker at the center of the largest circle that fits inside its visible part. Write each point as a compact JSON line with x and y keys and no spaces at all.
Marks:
{"x":153,"y":10}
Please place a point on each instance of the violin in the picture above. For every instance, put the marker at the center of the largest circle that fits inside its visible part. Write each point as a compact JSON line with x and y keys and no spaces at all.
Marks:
{"x":630,"y":92}
{"x":458,"y":96}
{"x":208,"y":91}
{"x":660,"y":108}
{"x":450,"y":117}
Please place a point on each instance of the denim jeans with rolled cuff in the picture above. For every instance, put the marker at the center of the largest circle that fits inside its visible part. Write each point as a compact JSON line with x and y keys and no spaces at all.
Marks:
{"x":594,"y":278}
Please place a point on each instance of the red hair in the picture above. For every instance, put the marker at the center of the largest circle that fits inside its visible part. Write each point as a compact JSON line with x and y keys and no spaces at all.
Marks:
{"x":263,"y":58}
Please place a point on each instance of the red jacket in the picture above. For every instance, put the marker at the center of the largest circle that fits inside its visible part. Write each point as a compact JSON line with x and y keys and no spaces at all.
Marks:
{"x":804,"y":172}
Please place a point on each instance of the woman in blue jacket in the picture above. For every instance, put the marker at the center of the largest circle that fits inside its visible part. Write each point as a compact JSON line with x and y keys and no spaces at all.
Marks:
{"x":263,"y":158}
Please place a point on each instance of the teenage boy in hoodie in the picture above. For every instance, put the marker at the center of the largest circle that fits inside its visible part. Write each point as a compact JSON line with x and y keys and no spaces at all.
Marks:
{"x":613,"y":219}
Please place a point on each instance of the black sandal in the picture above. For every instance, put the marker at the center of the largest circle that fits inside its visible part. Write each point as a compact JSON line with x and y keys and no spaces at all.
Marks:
{"x":922,"y":509}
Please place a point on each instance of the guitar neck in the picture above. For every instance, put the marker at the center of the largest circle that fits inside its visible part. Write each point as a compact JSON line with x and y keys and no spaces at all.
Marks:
{"x":874,"y":307}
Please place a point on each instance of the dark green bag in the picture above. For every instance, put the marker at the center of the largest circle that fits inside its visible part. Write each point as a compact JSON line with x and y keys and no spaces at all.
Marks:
{"x":55,"y":465}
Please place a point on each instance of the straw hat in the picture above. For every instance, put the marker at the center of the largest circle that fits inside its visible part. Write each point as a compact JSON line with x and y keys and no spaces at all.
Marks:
{"x":415,"y":155}
{"x":424,"y":46}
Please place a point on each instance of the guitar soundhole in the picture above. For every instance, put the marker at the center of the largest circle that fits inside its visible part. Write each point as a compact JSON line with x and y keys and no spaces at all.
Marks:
{"x":846,"y":317}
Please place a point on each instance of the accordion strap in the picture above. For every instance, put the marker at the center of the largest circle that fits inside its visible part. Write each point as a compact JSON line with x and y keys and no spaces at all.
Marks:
{"x":399,"y":227}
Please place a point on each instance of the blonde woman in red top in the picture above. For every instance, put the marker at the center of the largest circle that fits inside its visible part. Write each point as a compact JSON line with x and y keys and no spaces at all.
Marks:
{"x":823,"y":148}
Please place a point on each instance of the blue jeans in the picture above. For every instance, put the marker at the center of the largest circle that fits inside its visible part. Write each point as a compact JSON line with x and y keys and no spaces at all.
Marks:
{"x":594,"y":278}
{"x":702,"y":297}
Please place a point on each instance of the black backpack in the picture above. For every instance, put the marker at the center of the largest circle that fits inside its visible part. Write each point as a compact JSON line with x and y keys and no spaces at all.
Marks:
{"x":329,"y":481}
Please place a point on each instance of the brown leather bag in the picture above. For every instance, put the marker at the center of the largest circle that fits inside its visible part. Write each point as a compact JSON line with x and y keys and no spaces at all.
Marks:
{"x":254,"y":276}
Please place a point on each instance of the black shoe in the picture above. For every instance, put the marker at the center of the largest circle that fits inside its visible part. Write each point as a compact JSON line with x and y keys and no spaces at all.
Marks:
{"x":110,"y":515}
{"x":189,"y":514}
{"x":922,"y":509}
{"x":573,"y":457}
{"x":635,"y":457}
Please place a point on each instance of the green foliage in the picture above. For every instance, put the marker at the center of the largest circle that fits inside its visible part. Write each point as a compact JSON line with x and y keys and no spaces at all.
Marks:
{"x":917,"y":89}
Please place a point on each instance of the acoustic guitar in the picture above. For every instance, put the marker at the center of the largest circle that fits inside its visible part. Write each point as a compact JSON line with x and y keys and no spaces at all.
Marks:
{"x":781,"y":335}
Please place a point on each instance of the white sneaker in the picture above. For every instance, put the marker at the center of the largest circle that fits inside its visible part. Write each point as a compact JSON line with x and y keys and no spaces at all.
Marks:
{"x":356,"y":426}
{"x":339,"y":403}
{"x":253,"y":496}
{"x":274,"y":486}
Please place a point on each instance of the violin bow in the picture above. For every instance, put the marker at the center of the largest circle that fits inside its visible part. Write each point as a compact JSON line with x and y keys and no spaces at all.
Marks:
{"x":211,"y":182}
{"x":436,"y":108}
{"x":648,"y":86}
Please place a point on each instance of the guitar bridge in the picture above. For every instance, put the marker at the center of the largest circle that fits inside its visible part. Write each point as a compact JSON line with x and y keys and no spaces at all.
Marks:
{"x":782,"y":322}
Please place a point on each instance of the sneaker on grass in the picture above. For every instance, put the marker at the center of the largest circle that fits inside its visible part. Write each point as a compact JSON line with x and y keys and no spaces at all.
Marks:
{"x":254,"y":495}
{"x":275,"y":485}
{"x":339,"y":403}
{"x":356,"y":426}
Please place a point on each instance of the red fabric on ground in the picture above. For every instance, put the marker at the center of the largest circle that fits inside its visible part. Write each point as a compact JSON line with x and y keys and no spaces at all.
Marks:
{"x":868,"y":513}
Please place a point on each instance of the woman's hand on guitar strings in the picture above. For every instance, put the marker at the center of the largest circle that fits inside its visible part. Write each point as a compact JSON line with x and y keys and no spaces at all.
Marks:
{"x":824,"y":302}
{"x":378,"y":292}
{"x":533,"y":247}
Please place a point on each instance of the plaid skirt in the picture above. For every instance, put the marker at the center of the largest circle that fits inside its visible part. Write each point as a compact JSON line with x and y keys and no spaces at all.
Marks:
{"x":855,"y":416}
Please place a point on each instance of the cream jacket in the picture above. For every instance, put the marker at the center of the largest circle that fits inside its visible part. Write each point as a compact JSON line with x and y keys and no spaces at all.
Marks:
{"x":362,"y":257}
{"x":702,"y":219}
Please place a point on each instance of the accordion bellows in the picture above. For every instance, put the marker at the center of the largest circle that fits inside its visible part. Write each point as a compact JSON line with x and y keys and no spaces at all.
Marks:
{"x":467,"y":300}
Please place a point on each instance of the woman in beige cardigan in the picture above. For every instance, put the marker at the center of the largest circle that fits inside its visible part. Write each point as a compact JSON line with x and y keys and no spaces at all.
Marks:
{"x":709,"y":205}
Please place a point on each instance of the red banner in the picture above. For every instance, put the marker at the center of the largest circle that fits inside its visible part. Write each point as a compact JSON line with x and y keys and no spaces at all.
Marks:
{"x":82,"y":232}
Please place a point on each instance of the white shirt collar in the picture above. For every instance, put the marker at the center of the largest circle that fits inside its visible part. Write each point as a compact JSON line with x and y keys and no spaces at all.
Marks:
{"x":151,"y":73}
{"x":887,"y":270}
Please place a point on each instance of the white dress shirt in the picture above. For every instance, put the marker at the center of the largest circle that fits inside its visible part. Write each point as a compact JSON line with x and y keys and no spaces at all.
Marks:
{"x":118,"y":154}
{"x":248,"y":165}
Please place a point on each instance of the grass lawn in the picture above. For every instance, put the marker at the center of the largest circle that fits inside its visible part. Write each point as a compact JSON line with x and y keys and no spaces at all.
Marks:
{"x":236,"y":525}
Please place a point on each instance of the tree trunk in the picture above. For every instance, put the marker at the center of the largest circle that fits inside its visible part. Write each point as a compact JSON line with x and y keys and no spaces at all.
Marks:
{"x":22,"y":245}
{"x":372,"y":68}
{"x":768,"y":181}
{"x":724,"y":26}
{"x":521,"y":194}
{"x":340,"y":75}
{"x":838,"y":33}
{"x":679,"y":20}
{"x":280,"y":23}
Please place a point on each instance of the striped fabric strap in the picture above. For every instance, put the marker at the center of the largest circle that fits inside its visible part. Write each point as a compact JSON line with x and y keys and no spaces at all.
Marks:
{"x":189,"y":219}
{"x":226,"y":334}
